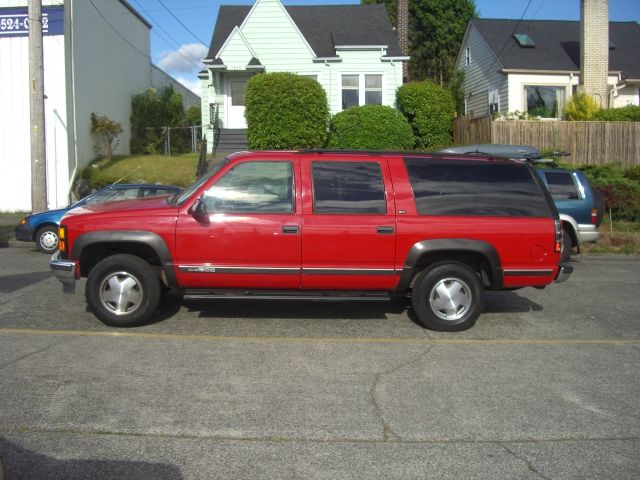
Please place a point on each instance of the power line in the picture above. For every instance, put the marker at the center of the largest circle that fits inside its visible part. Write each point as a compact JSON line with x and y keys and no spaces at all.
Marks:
{"x":176,"y":45}
{"x":514,"y":29}
{"x":118,"y":33}
{"x":183,"y":25}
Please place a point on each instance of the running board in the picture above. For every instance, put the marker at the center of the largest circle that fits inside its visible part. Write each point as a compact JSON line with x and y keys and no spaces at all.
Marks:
{"x":316,"y":295}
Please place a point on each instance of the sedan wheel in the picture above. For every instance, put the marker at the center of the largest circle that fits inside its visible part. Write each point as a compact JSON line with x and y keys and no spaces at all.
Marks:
{"x":47,"y":239}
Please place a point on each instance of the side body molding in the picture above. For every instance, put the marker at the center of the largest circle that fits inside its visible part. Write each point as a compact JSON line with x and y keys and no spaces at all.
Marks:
{"x":142,"y":237}
{"x":460,"y":245}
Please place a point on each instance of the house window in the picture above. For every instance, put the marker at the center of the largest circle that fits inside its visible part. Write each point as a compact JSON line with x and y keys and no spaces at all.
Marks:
{"x":494,"y":101}
{"x":373,"y":89}
{"x":350,"y":91}
{"x":467,"y":57}
{"x":545,"y":101}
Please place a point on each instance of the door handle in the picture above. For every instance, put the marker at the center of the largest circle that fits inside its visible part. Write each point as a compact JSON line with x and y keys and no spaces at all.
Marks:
{"x":294,"y":229}
{"x":385,"y":230}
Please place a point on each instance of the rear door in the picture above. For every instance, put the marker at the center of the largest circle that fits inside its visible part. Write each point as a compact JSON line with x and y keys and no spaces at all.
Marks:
{"x":348,"y":239}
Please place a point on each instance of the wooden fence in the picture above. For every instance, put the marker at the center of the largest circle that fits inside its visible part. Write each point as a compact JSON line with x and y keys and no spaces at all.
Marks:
{"x":587,"y":142}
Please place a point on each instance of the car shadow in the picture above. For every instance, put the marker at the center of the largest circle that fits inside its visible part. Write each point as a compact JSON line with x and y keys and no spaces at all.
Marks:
{"x":496,"y":302}
{"x":19,"y":462}
{"x":12,"y":283}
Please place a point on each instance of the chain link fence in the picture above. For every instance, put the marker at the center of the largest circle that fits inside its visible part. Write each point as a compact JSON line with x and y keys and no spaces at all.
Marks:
{"x":169,"y":140}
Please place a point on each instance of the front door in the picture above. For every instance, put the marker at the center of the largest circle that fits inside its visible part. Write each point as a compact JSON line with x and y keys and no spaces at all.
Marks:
{"x":236,"y":89}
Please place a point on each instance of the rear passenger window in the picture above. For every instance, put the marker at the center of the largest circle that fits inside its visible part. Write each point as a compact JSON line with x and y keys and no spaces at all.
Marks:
{"x":475,"y":188}
{"x":348,"y":187}
{"x":562,"y":186}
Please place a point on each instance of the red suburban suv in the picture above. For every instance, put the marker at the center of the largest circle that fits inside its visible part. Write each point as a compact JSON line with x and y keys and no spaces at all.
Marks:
{"x":322,"y":225}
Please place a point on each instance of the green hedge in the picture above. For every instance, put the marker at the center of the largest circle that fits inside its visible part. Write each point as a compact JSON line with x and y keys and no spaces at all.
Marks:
{"x":620,"y":188}
{"x":370,"y":127}
{"x":630,"y":113}
{"x":430,"y":110}
{"x":285,"y":111}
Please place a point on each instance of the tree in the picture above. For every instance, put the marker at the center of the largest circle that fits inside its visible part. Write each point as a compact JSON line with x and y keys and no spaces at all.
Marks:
{"x":436,"y":30}
{"x":107,"y":131}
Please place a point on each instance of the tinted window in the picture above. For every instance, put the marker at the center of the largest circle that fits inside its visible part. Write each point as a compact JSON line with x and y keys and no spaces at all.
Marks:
{"x":475,"y":188}
{"x":253,"y":187}
{"x":114,"y":195}
{"x":348,"y":187}
{"x":561,"y":185}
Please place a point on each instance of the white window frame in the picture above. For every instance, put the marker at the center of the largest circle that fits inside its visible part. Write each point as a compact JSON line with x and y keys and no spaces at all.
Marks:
{"x":525,"y":103}
{"x":362,"y":89}
{"x":493,"y":94}
{"x":467,"y":57}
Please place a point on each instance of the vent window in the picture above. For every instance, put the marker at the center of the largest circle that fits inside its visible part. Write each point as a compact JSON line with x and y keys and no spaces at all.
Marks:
{"x":524,"y":40}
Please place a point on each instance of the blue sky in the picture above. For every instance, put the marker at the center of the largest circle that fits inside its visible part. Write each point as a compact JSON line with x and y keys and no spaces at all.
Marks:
{"x":182,"y":29}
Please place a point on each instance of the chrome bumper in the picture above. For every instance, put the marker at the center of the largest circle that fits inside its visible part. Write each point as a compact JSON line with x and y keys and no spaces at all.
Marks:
{"x":564,"y":272}
{"x":65,"y":271}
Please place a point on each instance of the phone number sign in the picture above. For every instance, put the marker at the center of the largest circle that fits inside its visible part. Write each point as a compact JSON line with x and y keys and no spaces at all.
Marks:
{"x":14,"y":22}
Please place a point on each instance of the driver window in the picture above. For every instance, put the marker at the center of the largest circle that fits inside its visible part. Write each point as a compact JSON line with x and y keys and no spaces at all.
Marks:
{"x":253,"y":187}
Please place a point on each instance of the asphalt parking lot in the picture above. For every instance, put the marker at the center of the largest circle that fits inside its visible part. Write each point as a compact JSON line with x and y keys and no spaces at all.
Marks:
{"x":545,"y":386}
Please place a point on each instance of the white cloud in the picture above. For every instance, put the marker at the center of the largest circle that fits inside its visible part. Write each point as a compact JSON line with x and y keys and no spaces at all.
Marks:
{"x":186,"y":59}
{"x":191,"y":83}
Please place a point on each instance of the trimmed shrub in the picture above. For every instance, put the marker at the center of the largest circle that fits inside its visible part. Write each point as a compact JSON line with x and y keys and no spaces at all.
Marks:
{"x":620,"y":188}
{"x":581,"y":106}
{"x":430,"y":110}
{"x":285,"y":111}
{"x":370,"y":127}
{"x":630,"y":113}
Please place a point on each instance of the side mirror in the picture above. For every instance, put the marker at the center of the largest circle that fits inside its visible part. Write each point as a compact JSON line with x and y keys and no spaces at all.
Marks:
{"x":199,"y":210}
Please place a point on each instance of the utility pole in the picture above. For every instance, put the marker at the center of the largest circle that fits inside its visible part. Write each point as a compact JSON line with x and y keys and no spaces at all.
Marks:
{"x":36,"y":108}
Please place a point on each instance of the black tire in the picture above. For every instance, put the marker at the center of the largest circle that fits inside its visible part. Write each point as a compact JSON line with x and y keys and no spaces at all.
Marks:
{"x":566,"y":247}
{"x":435,"y":284}
{"x":123,"y":291}
{"x":47,"y":239}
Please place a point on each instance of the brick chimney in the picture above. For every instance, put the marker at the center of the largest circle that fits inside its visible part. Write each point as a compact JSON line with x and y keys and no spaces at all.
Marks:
{"x":402,"y":27}
{"x":594,"y":49}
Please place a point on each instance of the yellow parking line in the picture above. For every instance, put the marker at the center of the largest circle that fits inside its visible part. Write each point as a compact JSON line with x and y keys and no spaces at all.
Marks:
{"x":315,"y":340}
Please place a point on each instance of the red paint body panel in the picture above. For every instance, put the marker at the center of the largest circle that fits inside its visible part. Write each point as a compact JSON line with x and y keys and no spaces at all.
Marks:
{"x":328,"y":251}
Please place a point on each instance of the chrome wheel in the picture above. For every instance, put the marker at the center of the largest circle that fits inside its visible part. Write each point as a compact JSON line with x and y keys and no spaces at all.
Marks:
{"x":121,"y":293}
{"x":450,"y":299}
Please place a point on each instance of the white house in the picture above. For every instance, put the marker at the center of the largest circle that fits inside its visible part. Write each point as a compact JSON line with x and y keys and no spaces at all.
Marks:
{"x":533,"y":66}
{"x":96,"y":57}
{"x":351,"y":50}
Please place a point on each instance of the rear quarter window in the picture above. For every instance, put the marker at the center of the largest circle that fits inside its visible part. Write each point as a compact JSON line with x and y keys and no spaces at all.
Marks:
{"x":460,"y":187}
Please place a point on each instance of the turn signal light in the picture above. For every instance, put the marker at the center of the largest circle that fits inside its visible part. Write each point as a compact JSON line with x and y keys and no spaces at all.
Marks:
{"x":594,"y":216}
{"x":62,"y":239}
{"x":558,"y":242}
{"x":23,"y":221}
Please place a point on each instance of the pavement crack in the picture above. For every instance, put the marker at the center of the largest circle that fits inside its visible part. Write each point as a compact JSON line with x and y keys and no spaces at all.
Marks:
{"x":35,"y":352}
{"x":387,"y":432}
{"x":530,"y":466}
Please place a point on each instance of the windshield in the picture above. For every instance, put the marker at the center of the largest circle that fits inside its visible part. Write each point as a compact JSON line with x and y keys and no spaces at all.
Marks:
{"x":189,"y":190}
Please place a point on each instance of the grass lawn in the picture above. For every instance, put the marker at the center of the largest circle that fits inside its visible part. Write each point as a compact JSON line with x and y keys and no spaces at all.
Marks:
{"x":621,"y":237}
{"x":175,"y":170}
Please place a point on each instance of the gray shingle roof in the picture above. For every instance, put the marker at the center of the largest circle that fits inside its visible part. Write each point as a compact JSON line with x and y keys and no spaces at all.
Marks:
{"x":323,"y":26}
{"x":558,"y":44}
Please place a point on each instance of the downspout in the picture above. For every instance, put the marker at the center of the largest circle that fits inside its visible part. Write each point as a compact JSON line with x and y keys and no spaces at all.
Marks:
{"x":73,"y":101}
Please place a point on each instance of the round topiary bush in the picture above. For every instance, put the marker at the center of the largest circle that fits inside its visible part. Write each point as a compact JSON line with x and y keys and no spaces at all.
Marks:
{"x":430,"y":110}
{"x":370,"y":127}
{"x":285,"y":111}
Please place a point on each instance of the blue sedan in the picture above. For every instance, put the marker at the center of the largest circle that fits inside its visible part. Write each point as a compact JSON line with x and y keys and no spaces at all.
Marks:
{"x":42,"y":227}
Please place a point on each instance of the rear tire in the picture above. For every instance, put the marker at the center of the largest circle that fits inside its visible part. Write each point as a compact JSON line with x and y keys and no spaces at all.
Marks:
{"x":567,"y":246}
{"x":123,"y":291}
{"x":47,"y":239}
{"x":448,"y":297}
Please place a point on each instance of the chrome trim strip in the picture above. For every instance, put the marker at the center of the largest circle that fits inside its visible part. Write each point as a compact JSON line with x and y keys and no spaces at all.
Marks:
{"x":239,"y":270}
{"x":286,"y":270}
{"x":348,"y":271}
{"x":527,"y":273}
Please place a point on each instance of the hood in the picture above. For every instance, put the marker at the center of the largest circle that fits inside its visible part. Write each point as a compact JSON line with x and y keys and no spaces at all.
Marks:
{"x":147,"y":206}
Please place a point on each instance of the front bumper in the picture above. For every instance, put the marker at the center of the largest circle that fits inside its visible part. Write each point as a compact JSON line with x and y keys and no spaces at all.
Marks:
{"x":24,"y":233}
{"x":66,"y":271}
{"x":564,"y":272}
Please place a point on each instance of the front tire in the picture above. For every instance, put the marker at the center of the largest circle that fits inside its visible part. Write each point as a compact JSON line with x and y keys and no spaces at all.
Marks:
{"x":448,"y":297}
{"x":123,"y":291}
{"x":47,"y":239}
